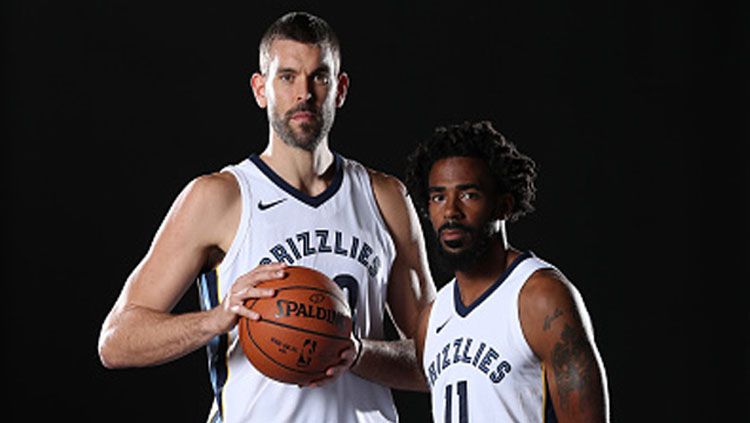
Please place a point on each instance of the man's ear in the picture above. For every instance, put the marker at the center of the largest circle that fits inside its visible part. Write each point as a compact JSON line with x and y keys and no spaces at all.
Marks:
{"x":342,"y":89}
{"x":258,"y":85}
{"x":504,"y":206}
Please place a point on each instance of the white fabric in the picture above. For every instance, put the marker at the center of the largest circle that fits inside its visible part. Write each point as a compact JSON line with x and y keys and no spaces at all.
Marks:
{"x":340,"y":233}
{"x":476,"y":358}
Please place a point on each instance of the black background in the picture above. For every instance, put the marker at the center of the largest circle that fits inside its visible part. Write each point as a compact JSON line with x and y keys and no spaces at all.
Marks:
{"x":635,"y":111}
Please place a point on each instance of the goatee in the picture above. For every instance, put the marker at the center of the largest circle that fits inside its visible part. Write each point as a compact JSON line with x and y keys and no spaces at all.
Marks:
{"x":310,"y":134}
{"x":463,"y":260}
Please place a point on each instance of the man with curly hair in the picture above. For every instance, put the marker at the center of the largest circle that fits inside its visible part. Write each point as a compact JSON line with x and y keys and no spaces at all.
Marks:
{"x":509,"y":338}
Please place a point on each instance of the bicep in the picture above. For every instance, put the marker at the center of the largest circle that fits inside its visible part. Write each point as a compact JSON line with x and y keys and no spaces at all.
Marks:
{"x":410,"y":285}
{"x":408,"y":293}
{"x":180,"y":248}
{"x":557,"y":327}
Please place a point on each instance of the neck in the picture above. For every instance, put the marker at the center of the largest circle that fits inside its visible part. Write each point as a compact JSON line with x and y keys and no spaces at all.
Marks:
{"x":307,"y":171}
{"x":485,"y":271}
{"x":487,"y":268}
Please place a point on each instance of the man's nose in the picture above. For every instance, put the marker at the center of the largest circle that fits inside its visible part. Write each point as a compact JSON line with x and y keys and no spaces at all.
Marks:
{"x":304,"y":92}
{"x":452,"y":209}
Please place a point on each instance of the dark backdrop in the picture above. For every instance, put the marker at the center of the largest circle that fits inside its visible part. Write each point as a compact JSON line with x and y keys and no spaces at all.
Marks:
{"x":632,"y":109}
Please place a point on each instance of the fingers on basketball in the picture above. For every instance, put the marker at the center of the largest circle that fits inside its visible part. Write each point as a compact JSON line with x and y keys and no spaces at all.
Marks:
{"x":303,"y":330}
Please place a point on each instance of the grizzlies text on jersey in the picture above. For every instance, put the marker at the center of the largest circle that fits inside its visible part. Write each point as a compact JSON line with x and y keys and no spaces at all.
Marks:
{"x":477,"y":361}
{"x":340,"y":233}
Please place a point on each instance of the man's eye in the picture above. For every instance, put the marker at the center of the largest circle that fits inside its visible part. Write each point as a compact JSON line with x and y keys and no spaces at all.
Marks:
{"x":322,"y":79}
{"x":436,"y":198}
{"x":286,"y":77}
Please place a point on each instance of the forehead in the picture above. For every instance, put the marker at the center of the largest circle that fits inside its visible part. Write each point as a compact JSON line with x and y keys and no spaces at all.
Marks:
{"x":452,"y":171}
{"x":294,"y":54}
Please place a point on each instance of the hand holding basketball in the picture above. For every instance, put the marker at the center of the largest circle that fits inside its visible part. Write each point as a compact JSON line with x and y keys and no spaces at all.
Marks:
{"x":347,"y":360}
{"x":303,"y":335}
{"x":244,"y":288}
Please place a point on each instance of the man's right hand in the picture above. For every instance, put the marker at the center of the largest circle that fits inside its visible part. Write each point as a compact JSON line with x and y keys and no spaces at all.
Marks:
{"x":244,"y":288}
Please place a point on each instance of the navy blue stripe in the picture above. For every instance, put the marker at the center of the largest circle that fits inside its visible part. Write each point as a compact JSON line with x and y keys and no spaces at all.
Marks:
{"x":218,"y":345}
{"x":549,"y":409}
{"x":463,"y":310}
{"x":294,"y":192}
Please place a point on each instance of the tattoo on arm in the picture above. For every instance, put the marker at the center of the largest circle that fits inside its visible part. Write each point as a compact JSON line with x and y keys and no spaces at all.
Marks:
{"x":573,"y":366}
{"x":548,"y":319}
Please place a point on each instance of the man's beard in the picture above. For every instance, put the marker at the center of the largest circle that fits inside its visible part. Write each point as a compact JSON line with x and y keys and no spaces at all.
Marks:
{"x":463,"y":260}
{"x":310,"y":133}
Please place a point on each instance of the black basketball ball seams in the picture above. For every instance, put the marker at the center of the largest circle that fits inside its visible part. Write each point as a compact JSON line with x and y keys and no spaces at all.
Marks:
{"x":297,"y":369}
{"x":286,"y":308}
{"x":307,"y":331}
{"x":302,"y":329}
{"x":312,"y":310}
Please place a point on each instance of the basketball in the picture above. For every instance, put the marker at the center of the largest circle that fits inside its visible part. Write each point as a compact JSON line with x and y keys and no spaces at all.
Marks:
{"x":302,"y":330}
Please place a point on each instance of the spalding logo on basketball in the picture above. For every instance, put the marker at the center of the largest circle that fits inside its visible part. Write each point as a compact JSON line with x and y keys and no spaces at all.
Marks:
{"x":302,"y":330}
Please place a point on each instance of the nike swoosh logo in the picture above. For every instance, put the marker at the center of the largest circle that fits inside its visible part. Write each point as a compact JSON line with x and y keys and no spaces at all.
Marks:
{"x":439,"y":328}
{"x":262,"y":206}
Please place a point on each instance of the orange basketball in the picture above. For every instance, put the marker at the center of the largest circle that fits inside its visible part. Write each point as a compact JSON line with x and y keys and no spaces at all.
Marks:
{"x":302,"y":330}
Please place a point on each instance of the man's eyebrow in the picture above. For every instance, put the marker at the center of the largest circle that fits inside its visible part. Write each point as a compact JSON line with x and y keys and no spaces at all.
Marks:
{"x":469,"y":186}
{"x":322,"y":69}
{"x":459,"y":187}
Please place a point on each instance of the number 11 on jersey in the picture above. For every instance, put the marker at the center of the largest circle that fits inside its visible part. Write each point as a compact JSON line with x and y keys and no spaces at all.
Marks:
{"x":463,"y":403}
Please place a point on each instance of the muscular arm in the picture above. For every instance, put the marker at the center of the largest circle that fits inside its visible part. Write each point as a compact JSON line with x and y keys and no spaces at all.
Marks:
{"x":419,"y":340}
{"x":140,"y":330}
{"x":558,"y":329}
{"x":410,"y":290}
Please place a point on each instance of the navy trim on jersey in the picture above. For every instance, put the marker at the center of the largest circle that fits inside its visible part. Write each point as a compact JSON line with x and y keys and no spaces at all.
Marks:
{"x":218,"y":345}
{"x":294,"y":192}
{"x":463,"y":310}
{"x":549,"y":409}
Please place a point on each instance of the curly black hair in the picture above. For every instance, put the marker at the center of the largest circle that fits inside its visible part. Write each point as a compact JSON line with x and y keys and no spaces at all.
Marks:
{"x":513,"y":171}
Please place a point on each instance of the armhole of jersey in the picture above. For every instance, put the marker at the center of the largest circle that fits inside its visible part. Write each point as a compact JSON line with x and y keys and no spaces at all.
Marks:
{"x":245,"y":216}
{"x":531,"y":265}
{"x":375,"y":209}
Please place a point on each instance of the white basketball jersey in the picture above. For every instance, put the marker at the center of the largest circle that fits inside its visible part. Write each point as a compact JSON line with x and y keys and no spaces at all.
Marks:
{"x":477,"y":361}
{"x":340,"y":233}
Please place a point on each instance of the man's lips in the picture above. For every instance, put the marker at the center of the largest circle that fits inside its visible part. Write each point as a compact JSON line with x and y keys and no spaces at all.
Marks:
{"x":303,"y":116}
{"x":449,"y":234}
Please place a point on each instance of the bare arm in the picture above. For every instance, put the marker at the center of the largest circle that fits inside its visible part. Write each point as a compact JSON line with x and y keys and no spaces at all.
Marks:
{"x":140,"y":330}
{"x":424,"y":320}
{"x":410,"y":290}
{"x":557,"y":327}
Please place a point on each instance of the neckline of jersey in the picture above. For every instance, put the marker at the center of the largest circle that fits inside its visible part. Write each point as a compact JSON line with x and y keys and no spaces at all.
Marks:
{"x":464,"y":310}
{"x":312,"y":201}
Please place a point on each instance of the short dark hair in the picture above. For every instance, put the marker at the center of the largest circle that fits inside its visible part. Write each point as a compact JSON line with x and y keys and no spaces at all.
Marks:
{"x":301,"y":27}
{"x":512,"y":171}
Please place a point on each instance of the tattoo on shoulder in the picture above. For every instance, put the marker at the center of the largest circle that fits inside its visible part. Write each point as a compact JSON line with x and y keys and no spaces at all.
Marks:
{"x":548,"y":319}
{"x":572,"y":364}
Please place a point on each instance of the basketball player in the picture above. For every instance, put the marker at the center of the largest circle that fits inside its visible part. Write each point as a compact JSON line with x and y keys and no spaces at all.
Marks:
{"x":509,"y":338}
{"x":296,"y":203}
